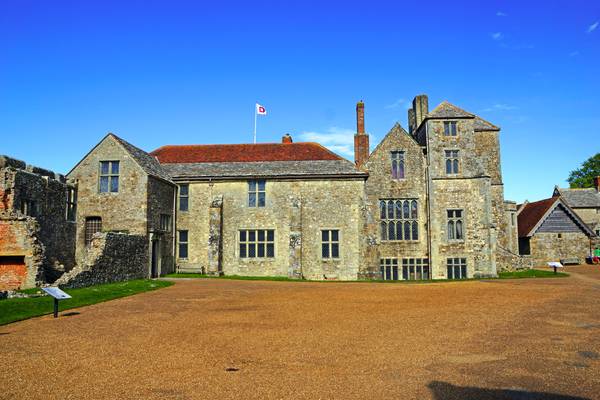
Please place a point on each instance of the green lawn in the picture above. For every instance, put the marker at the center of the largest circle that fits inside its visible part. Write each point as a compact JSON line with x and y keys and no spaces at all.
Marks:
{"x":531,"y":273}
{"x":12,"y":310}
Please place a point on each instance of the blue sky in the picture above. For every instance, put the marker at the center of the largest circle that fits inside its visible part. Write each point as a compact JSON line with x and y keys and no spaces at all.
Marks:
{"x":177,"y":72}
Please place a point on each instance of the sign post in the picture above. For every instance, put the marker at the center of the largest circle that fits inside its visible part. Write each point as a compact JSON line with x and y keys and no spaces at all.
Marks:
{"x":57,"y":295}
{"x":555,"y":265}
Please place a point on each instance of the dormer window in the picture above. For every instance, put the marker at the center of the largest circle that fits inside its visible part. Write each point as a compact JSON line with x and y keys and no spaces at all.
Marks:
{"x":450,"y":128}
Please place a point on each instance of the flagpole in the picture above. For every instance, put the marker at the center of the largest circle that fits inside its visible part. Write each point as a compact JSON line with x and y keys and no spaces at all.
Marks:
{"x":255,"y":124}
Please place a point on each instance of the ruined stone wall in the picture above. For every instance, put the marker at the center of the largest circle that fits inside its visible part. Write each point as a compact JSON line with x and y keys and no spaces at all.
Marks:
{"x":125,"y":211}
{"x":292,"y":207}
{"x":547,"y":247}
{"x":381,"y":185}
{"x":161,"y":201}
{"x":111,"y":257}
{"x":42,"y":234}
{"x":21,"y":253}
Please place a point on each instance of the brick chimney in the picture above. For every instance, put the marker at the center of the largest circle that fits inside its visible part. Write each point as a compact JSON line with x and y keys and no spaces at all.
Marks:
{"x":287,"y":139}
{"x":361,"y":139}
{"x":597,"y":183}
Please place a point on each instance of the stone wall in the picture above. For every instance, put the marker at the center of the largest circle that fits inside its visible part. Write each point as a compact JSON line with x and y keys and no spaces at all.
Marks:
{"x":296,"y":210}
{"x":33,"y":221}
{"x":111,"y":257}
{"x":547,"y":247}
{"x":161,"y":197}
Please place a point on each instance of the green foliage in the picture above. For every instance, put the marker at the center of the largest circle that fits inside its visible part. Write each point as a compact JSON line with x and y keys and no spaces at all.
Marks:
{"x":531,"y":273}
{"x":584,"y":176}
{"x":12,"y":310}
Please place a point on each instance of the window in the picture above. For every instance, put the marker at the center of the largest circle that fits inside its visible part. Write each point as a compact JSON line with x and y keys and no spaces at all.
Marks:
{"x":71,"y":204}
{"x":512,"y":219}
{"x":452,"y":162}
{"x":109,"y":176}
{"x":29,"y":207}
{"x":330,"y":243}
{"x":183,"y":244}
{"x":184,"y":199}
{"x":455,"y":225}
{"x":397,"y":164}
{"x":457,"y":268}
{"x":165,"y":222}
{"x":256,"y":193}
{"x":92,"y":225}
{"x":389,"y":269}
{"x":415,"y":269}
{"x":399,"y":219}
{"x":257,"y":243}
{"x":450,"y":128}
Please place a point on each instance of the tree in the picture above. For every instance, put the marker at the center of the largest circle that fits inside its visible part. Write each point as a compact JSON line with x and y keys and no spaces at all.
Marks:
{"x":584,"y":176}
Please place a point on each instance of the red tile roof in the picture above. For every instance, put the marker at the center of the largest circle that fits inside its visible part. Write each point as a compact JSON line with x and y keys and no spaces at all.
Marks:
{"x":214,"y":153}
{"x":531,"y":214}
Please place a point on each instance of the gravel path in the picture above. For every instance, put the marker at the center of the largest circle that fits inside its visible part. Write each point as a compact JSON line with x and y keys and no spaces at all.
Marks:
{"x":222,"y":339}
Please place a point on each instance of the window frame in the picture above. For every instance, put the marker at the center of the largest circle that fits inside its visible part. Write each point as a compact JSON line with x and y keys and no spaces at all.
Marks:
{"x":420,"y":267}
{"x":389,"y":267}
{"x":457,"y":262}
{"x":71,"y":206}
{"x":452,"y":155}
{"x":165,"y":222}
{"x":181,"y":243}
{"x":109,"y":175}
{"x":87,"y":238}
{"x":448,"y":132}
{"x":412,"y":220}
{"x":256,"y":244}
{"x":186,"y":196}
{"x":330,"y":244}
{"x":454,"y":220}
{"x":398,"y":164}
{"x":258,"y":193}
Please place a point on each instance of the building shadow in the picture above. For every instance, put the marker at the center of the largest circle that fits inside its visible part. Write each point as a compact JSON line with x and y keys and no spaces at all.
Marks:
{"x":447,"y":391}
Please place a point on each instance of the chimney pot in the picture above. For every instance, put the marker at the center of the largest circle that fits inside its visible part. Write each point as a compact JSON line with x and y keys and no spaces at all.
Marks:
{"x":287,"y":138}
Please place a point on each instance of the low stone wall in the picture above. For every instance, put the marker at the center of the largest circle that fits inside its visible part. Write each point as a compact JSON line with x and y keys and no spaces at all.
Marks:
{"x":507,"y":261}
{"x":111,"y":257}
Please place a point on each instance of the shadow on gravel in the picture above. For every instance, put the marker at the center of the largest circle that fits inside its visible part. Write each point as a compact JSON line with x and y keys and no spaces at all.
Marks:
{"x":447,"y":391}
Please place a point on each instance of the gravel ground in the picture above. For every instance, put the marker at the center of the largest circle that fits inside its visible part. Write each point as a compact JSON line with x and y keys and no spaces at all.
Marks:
{"x":221,"y":339}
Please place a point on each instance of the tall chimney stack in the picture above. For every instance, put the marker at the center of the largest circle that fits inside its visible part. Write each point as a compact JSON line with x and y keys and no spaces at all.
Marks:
{"x":421,"y":108}
{"x":597,"y":183}
{"x":361,"y":139}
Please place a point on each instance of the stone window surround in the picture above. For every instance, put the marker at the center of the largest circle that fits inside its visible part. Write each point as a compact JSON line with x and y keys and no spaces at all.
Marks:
{"x":330,"y":242}
{"x":421,"y":268}
{"x":185,"y":196}
{"x":109,"y":176}
{"x":165,"y":222}
{"x":456,"y":158}
{"x":462,"y":218}
{"x":256,"y":259}
{"x":260,"y":194}
{"x":92,"y":224}
{"x":186,"y":243}
{"x":400,"y":162}
{"x":71,"y":206}
{"x":412,"y":218}
{"x":449,"y":124}
{"x":389,"y":268}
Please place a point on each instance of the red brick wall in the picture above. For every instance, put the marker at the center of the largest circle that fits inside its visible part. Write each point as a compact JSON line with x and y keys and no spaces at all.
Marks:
{"x":12,"y":275}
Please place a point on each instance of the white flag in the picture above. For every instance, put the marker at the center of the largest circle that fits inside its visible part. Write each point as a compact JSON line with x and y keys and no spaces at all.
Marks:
{"x":260,"y":110}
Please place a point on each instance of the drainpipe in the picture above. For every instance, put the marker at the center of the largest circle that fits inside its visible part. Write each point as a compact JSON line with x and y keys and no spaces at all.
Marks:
{"x":427,"y":193}
{"x":174,"y":226}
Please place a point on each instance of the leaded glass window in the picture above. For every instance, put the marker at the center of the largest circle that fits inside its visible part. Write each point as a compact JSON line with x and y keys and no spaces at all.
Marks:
{"x":399,"y":219}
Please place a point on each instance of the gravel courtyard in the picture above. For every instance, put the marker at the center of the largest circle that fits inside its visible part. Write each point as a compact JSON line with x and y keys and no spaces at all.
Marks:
{"x":219,"y":339}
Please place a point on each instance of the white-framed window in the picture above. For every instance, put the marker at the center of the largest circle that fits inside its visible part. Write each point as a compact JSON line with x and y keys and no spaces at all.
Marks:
{"x":109,"y":177}
{"x":449,"y":128}
{"x":455,"y":225}
{"x":452,"y":162}
{"x":256,"y":193}
{"x":399,"y":219}
{"x":257,"y":243}
{"x":389,"y":269}
{"x":457,"y":268}
{"x":330,"y":243}
{"x":397,"y":158}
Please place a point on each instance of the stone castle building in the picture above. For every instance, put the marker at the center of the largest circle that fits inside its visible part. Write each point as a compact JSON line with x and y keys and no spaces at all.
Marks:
{"x":425,"y":204}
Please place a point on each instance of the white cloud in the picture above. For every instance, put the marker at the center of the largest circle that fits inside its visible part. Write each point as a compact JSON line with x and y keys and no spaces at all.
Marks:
{"x":573,"y":53}
{"x":593,"y":27}
{"x":497,"y":35}
{"x":339,"y":140}
{"x":501,"y":14}
{"x":499,"y":107}
{"x":399,"y":103}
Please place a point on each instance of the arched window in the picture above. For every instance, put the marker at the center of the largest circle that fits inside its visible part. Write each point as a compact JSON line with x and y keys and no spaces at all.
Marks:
{"x":414,"y":210}
{"x":384,"y":231}
{"x":415,"y":230}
